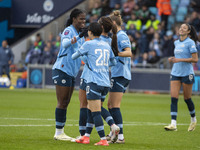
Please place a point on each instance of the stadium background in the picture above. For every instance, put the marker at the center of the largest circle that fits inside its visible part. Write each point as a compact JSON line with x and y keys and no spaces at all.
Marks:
{"x":47,"y":17}
{"x":27,"y":115}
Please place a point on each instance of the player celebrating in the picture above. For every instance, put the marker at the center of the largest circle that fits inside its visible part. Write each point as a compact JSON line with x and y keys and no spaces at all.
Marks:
{"x":120,"y":76}
{"x":99,"y":54}
{"x":107,"y":25}
{"x":65,"y":69}
{"x":183,"y":74}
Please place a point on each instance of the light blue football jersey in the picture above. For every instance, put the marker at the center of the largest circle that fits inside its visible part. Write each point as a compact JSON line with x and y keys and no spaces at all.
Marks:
{"x":98,"y":55}
{"x":183,"y":49}
{"x":106,"y":39}
{"x":84,"y":74}
{"x":123,"y":67}
{"x":64,"y":61}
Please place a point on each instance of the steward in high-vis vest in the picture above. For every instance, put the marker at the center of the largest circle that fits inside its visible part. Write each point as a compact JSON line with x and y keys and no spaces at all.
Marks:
{"x":164,"y":10}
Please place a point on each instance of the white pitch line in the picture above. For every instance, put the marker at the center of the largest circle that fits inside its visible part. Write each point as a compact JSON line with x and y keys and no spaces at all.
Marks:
{"x":50,"y":125}
{"x":126,"y":123}
{"x":34,"y":119}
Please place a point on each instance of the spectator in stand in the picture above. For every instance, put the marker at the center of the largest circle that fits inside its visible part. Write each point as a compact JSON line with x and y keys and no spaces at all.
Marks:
{"x":175,"y":31}
{"x":167,"y":49}
{"x":136,"y":10}
{"x":164,"y":10}
{"x":144,"y":14}
{"x":96,"y":10}
{"x":140,"y":3}
{"x":39,"y":42}
{"x":146,"y":38}
{"x":106,"y":10}
{"x":195,"y":4}
{"x":142,"y":45}
{"x":152,"y":22}
{"x":57,"y":42}
{"x":135,"y":21}
{"x":131,"y":30}
{"x":195,"y":20}
{"x":161,"y":31}
{"x":153,"y":57}
{"x":155,"y":44}
{"x":56,"y":48}
{"x":128,"y":7}
{"x":47,"y":55}
{"x":117,"y":7}
{"x":155,"y":49}
{"x":6,"y":58}
{"x":93,"y":18}
{"x":133,"y":48}
{"x":113,"y":3}
{"x":33,"y":56}
{"x":51,"y":39}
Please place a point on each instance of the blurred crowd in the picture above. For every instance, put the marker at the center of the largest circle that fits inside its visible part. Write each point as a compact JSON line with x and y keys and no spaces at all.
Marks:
{"x":151,"y":26}
{"x":42,"y":52}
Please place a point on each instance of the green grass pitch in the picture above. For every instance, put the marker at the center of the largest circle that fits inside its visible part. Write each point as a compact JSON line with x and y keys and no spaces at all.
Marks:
{"x":27,"y":122}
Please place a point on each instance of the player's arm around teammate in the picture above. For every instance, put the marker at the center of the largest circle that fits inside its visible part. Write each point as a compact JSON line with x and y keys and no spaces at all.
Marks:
{"x":65,"y":69}
{"x":120,"y":75}
{"x":99,"y":54}
{"x":183,"y":74}
{"x":107,"y":26}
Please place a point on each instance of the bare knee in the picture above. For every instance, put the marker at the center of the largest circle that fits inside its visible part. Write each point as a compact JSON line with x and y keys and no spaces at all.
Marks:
{"x":83,"y":104}
{"x":63,"y":104}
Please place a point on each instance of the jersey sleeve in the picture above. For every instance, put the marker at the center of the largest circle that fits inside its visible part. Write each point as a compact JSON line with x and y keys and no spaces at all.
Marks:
{"x":124,"y":41}
{"x":67,"y":33}
{"x":192,"y":47}
{"x":84,"y":49}
{"x":111,"y":54}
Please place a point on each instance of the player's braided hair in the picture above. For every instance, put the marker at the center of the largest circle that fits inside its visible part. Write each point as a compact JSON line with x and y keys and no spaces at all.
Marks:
{"x":108,"y":25}
{"x":193,"y":33}
{"x":74,"y":14}
{"x":115,"y":16}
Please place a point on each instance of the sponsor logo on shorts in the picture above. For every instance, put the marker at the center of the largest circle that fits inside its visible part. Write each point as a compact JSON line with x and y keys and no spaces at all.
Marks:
{"x":55,"y":81}
{"x":81,"y":82}
{"x":87,"y":89}
{"x":111,"y":83}
{"x":63,"y":81}
{"x":191,"y":77}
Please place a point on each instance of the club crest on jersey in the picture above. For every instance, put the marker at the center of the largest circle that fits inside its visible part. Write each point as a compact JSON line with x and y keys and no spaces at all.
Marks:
{"x":182,"y":45}
{"x":66,"y":32}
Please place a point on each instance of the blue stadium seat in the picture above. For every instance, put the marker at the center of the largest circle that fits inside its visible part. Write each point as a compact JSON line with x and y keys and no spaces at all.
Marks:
{"x":153,"y":10}
{"x":182,"y":10}
{"x":174,"y":2}
{"x":184,"y":3}
{"x":180,"y":17}
{"x":34,"y":59}
{"x":171,"y":21}
{"x":174,"y":7}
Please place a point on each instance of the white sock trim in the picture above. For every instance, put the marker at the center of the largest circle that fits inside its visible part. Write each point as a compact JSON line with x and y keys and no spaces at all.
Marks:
{"x":173,"y":122}
{"x":193,"y":119}
{"x":59,"y":131}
